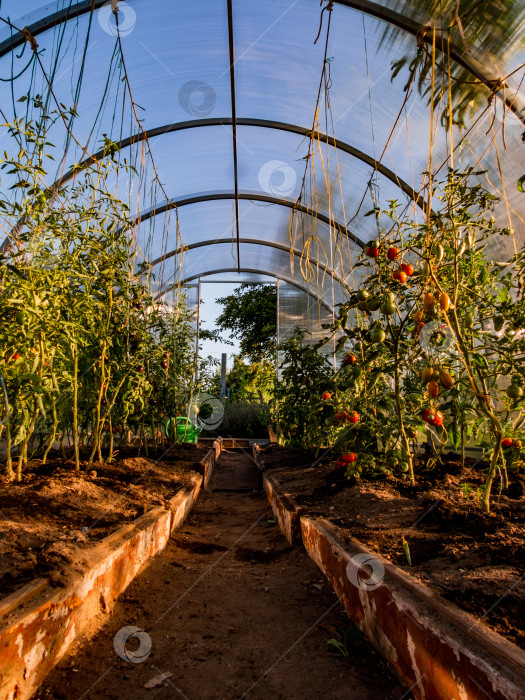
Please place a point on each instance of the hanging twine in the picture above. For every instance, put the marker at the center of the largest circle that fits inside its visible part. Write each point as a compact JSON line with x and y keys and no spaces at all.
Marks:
{"x":329,"y":7}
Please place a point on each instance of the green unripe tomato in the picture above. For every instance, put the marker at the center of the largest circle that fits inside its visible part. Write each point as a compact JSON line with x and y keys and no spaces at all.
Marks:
{"x":514,"y":391}
{"x":438,"y":252}
{"x":378,"y":335}
{"x":389,"y":298}
{"x":468,"y":321}
{"x":362,"y":295}
{"x":388,"y":308}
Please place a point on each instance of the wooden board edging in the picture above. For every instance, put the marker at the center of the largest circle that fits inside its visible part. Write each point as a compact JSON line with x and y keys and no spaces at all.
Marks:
{"x":436,"y":649}
{"x":36,"y":632}
{"x":285,"y":509}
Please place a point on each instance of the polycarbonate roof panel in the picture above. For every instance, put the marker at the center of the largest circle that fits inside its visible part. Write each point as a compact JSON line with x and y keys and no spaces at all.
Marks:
{"x":187,"y":163}
{"x":365,"y":103}
{"x":177,"y":61}
{"x":208,"y":223}
{"x":29,"y":11}
{"x":176,"y":58}
{"x":272,"y":162}
{"x":222,"y":257}
{"x":240,"y":277}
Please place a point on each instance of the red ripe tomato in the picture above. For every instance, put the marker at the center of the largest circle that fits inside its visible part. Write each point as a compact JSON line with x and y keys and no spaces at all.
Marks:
{"x":140,"y":368}
{"x":164,"y":364}
{"x":15,"y":357}
{"x":350,"y":359}
{"x":507,"y":442}
{"x":400,"y":276}
{"x":340,"y":462}
{"x":372,"y":252}
{"x":353,"y":417}
{"x":326,"y":396}
{"x":429,"y":415}
{"x":438,"y":419}
{"x":407,"y":268}
{"x":349,"y":457}
{"x":392,"y":253}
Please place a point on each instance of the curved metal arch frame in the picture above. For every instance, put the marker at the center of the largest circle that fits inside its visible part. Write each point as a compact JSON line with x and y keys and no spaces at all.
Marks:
{"x":367,"y":6}
{"x":216,"y":196}
{"x":259,"y":123}
{"x":218,"y":271}
{"x":253,"y":241}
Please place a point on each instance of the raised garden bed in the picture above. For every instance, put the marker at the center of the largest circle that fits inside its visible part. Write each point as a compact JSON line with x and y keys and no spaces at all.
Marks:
{"x":458,"y":553}
{"x":469,"y":558}
{"x":54,"y":516}
{"x":40,"y":620}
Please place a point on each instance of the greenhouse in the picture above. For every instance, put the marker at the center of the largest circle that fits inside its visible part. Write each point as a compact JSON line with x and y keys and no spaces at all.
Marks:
{"x":262,"y":334}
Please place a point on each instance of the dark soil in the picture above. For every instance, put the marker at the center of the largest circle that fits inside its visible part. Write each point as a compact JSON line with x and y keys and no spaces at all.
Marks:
{"x":232,"y":612}
{"x":474,"y":560}
{"x":49,"y":521}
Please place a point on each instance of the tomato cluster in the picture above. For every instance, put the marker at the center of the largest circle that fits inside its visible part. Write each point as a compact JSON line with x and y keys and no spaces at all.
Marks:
{"x":433,"y":417}
{"x":346,"y":458}
{"x":343,"y":416}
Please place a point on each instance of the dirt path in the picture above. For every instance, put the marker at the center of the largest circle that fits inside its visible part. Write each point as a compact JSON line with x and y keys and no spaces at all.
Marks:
{"x":232,"y":612}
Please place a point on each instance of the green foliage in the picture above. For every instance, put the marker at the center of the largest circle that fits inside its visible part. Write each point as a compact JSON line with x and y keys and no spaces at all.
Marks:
{"x":253,"y":381}
{"x":433,"y":351}
{"x":305,"y":375}
{"x":86,"y":351}
{"x":244,"y":419}
{"x":480,"y":28}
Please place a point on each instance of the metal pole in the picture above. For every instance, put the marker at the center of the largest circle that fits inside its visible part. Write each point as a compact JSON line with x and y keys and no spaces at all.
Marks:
{"x":198,"y":328}
{"x":223,"y":374}
{"x":277,"y":332}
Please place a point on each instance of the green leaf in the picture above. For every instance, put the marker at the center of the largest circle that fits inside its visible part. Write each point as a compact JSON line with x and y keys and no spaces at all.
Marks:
{"x":454,"y":435}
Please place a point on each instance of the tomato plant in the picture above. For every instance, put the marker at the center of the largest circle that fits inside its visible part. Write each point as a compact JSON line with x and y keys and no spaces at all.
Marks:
{"x":83,"y":339}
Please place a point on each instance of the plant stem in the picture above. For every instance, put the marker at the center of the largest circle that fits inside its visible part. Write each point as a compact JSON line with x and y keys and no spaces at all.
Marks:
{"x":74,"y":350}
{"x":9,"y":465}
{"x":53,"y":432}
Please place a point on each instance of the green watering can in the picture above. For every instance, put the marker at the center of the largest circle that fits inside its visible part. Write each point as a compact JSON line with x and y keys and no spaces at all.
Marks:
{"x":185,"y":431}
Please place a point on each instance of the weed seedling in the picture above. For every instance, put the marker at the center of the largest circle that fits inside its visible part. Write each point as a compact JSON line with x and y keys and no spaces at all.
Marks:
{"x":342,"y":647}
{"x":407,"y":551}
